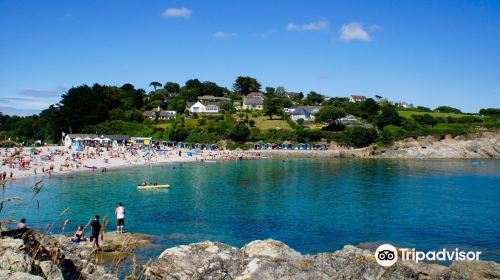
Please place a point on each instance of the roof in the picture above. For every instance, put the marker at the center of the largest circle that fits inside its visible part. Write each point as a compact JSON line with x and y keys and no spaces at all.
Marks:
{"x":300,"y":111}
{"x":83,"y":136}
{"x":149,"y":114}
{"x":117,"y":137}
{"x":358,"y":97}
{"x":204,"y":103}
{"x":254,"y":95}
{"x":168,"y":114}
{"x":253,"y":101}
{"x":211,"y":97}
{"x":308,"y":109}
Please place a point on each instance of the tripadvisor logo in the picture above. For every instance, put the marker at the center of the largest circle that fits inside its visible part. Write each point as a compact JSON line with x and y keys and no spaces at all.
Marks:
{"x":387,"y":255}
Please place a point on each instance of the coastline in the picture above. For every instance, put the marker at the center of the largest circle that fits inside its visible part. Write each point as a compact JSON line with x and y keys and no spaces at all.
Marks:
{"x":475,"y":147}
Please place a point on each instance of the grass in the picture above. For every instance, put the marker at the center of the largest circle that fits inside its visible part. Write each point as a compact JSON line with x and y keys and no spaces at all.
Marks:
{"x":264,"y":123}
{"x":408,"y":114}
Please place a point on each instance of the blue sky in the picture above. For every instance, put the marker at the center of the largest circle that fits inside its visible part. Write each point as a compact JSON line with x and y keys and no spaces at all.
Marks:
{"x":427,"y":53}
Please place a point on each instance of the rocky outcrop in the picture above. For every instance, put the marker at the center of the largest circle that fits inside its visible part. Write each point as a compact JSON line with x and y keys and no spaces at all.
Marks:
{"x":481,"y":146}
{"x":34,"y":255}
{"x":271,"y":259}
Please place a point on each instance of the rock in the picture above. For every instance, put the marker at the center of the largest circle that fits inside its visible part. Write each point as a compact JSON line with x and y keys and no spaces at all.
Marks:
{"x":11,"y":243}
{"x":477,"y":269}
{"x":271,"y":259}
{"x":15,"y":261}
{"x":10,"y":275}
{"x":51,"y":271}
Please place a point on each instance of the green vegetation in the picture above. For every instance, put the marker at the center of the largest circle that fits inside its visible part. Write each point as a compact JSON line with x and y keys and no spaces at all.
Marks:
{"x":119,"y":110}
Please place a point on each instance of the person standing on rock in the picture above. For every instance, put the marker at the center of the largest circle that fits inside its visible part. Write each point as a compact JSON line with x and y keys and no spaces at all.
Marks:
{"x":96,"y":229}
{"x":120,"y":217}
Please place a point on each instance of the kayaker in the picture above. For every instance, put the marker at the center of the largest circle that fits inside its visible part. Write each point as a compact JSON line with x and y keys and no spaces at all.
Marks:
{"x":96,"y":229}
{"x":120,"y":217}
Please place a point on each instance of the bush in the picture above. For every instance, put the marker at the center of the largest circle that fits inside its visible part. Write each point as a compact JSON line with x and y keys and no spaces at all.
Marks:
{"x":425,"y":119}
{"x":251,"y":123}
{"x":239,"y":133}
{"x":391,"y":133}
{"x":359,"y":137}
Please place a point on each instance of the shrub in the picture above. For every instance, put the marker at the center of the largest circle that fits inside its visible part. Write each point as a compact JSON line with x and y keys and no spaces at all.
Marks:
{"x":391,"y":133}
{"x":358,"y":136}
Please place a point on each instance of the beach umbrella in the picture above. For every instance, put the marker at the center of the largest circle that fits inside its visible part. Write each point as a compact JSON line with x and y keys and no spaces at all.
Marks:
{"x":106,"y":139}
{"x":78,"y":139}
{"x":87,"y":138}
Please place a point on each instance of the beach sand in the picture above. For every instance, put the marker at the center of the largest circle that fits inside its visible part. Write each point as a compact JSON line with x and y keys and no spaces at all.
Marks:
{"x":59,"y":159}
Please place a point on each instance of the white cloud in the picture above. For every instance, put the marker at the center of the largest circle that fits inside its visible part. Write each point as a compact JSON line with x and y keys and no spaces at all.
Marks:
{"x":221,"y":34}
{"x":317,"y":25}
{"x":354,"y":31}
{"x":177,"y":12}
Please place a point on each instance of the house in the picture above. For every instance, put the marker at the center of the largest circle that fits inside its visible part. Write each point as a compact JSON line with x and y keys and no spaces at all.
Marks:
{"x":203,"y":107}
{"x":253,"y":101}
{"x":213,"y":98}
{"x":237,"y":105}
{"x":302,"y":112}
{"x":350,"y":120}
{"x":161,"y":114}
{"x":357,"y":98}
{"x":94,"y":139}
{"x":149,"y":114}
{"x":167,"y":115}
{"x":404,"y":105}
{"x":293,"y":95}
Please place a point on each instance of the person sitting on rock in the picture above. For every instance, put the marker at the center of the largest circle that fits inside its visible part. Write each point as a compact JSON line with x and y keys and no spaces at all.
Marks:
{"x":22,"y":224}
{"x":78,"y":237}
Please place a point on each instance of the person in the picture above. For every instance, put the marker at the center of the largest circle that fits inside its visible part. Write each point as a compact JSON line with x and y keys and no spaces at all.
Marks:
{"x":78,"y":235}
{"x":120,"y":217}
{"x":22,"y":224}
{"x":96,"y":229}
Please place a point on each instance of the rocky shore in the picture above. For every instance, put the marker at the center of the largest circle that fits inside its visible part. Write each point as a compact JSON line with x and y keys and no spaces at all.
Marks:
{"x":474,"y":146}
{"x":53,"y":257}
{"x":271,"y":259}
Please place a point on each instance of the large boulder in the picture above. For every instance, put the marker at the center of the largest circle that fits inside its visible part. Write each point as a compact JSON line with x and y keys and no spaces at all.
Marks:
{"x":271,"y":259}
{"x":51,"y":271}
{"x":15,"y":260}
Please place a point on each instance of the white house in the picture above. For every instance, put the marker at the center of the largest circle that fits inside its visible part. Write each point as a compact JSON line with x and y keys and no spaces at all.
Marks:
{"x":302,"y":112}
{"x":167,"y":115}
{"x":253,"y":101}
{"x":357,"y":98}
{"x":205,"y":107}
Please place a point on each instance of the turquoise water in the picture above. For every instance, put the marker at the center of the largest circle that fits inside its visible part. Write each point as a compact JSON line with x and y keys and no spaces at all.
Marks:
{"x":313,"y":205}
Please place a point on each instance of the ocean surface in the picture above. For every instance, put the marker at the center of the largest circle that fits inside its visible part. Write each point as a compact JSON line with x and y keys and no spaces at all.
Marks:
{"x":313,"y":205}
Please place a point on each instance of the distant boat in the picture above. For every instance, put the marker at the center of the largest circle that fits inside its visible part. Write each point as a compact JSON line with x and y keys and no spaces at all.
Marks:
{"x":478,"y":162}
{"x":210,"y":161}
{"x":165,"y":186}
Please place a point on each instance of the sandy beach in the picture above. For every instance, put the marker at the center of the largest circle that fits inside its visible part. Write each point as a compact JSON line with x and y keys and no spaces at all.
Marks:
{"x":46,"y":161}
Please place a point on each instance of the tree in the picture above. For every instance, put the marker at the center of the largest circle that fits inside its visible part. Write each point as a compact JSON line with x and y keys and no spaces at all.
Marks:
{"x":251,"y":123}
{"x":280,"y":91}
{"x":314,"y":98}
{"x":172,"y":87}
{"x":490,"y":111}
{"x":273,"y":105}
{"x":447,"y":109}
{"x":388,"y":116}
{"x":378,"y":97}
{"x":330,"y":115}
{"x":228,"y":107}
{"x":245,"y":85}
{"x":155,"y":85}
{"x":358,"y":136}
{"x":239,"y":132}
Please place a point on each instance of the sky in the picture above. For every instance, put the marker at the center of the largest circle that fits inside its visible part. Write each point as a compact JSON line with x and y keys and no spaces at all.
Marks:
{"x":425,"y":52}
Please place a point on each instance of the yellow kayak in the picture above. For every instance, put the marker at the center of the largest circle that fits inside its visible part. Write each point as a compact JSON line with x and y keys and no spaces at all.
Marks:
{"x":154,"y":186}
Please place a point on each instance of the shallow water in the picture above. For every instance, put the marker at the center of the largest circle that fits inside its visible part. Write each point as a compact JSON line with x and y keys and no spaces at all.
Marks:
{"x":313,"y":205}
